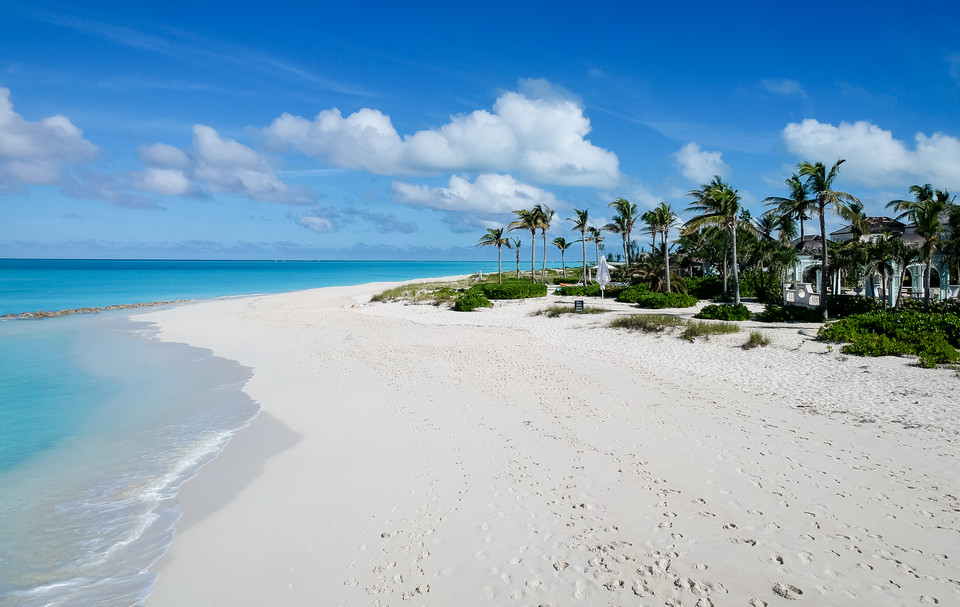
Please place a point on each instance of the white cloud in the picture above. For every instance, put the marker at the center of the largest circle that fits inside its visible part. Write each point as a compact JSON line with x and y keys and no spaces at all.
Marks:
{"x":164,"y":156}
{"x":540,"y":135}
{"x":874,"y":157}
{"x":316,"y":223}
{"x":220,"y":165}
{"x":489,"y":193}
{"x":699,"y":165}
{"x":37,"y":153}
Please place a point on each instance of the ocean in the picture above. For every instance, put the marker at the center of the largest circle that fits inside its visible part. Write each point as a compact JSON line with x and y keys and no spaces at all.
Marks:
{"x":100,"y":423}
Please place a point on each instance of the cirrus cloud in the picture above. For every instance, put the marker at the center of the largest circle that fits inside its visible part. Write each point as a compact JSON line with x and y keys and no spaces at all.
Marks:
{"x":875,"y":158}
{"x":540,"y":136}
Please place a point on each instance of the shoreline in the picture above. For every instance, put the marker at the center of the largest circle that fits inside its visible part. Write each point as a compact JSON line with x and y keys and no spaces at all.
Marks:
{"x":409,"y":452}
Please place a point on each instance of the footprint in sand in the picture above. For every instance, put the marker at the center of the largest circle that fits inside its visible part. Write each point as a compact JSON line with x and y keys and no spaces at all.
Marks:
{"x":786,"y":591}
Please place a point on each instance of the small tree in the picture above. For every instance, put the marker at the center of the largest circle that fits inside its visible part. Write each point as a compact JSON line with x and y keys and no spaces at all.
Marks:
{"x":562,"y":244}
{"x":494,"y":238}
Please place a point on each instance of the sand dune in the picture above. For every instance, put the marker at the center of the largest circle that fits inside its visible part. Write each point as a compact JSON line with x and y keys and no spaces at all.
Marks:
{"x":409,"y":455}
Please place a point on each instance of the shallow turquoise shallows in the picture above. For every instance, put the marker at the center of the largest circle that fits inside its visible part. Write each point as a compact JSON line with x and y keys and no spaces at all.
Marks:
{"x":100,"y":423}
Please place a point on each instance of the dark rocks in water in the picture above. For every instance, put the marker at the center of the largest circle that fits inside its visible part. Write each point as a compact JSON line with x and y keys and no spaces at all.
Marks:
{"x":44,"y":314}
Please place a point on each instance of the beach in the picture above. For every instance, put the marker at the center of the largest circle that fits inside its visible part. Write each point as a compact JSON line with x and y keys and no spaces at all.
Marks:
{"x":411,"y":455}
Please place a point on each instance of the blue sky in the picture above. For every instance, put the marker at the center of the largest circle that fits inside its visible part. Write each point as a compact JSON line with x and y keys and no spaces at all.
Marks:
{"x":402,"y":130}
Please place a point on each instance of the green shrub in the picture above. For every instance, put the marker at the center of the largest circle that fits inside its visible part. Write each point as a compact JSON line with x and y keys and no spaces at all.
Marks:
{"x":592,"y":290}
{"x":513,"y":289}
{"x":725,"y":312}
{"x":471,"y":299}
{"x":789,"y":313}
{"x":645,"y":298}
{"x":704,"y":287}
{"x":932,"y":336}
{"x":840,"y":306}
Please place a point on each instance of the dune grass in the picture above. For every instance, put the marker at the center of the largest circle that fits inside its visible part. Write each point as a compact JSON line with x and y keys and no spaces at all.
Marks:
{"x":658,"y":323}
{"x":648,"y":323}
{"x":558,"y":310}
{"x":420,"y":292}
{"x":756,"y":340}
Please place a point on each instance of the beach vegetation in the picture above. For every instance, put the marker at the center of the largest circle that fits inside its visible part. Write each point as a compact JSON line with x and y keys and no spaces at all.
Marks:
{"x":471,"y":299}
{"x":561,"y":243}
{"x":725,"y":312}
{"x":718,"y":206}
{"x":648,"y":323}
{"x":592,"y":290}
{"x":423,"y":292}
{"x":580,"y":224}
{"x":925,"y":213}
{"x":658,"y":323}
{"x":756,"y":340}
{"x":527,"y":219}
{"x":934,"y":336}
{"x":494,"y":238}
{"x":645,"y":298}
{"x":698,"y":328}
{"x":789,"y":313}
{"x":622,"y":223}
{"x":512,"y":289}
{"x":820,"y":187}
{"x":559,"y":310}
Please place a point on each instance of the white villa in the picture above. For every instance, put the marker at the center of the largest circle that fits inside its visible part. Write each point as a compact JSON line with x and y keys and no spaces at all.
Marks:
{"x":803,"y":290}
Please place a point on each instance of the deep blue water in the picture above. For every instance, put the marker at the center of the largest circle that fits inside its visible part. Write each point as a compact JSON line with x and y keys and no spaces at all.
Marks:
{"x":100,"y":423}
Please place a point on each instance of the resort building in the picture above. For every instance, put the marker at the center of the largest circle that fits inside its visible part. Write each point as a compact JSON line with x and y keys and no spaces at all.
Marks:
{"x":805,"y":283}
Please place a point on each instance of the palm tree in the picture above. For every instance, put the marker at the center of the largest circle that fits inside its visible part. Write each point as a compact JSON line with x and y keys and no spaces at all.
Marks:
{"x":925,"y":215}
{"x":544,"y":217}
{"x":820,"y":186}
{"x":580,"y":225}
{"x":798,"y":205}
{"x":596,"y":237}
{"x":516,"y":242}
{"x":563,"y":245}
{"x":718,"y":205}
{"x":650,"y":218}
{"x":494,"y":238}
{"x":663,"y":218}
{"x":624,"y":220}
{"x":880,"y":261}
{"x":527,"y":219}
{"x":902,"y":255}
{"x":617,"y":226}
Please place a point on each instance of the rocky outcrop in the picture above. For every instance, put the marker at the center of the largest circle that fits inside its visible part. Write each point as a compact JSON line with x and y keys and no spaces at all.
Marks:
{"x":43,"y":314}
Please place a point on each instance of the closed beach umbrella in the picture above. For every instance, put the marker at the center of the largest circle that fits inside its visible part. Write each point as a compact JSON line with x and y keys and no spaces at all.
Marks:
{"x":603,"y":274}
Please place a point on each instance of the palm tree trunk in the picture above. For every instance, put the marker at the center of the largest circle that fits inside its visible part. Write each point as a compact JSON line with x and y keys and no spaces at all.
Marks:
{"x":583,"y":245}
{"x":533,"y":255}
{"x":543,"y":271}
{"x":518,"y":262}
{"x":563,"y":262}
{"x":926,"y":283}
{"x":736,"y":271}
{"x":824,"y":270}
{"x":666,"y":259}
{"x":499,"y":267}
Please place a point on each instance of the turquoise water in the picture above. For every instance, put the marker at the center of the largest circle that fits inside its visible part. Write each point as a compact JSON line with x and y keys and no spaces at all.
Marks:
{"x":31,"y":285}
{"x":100,"y":423}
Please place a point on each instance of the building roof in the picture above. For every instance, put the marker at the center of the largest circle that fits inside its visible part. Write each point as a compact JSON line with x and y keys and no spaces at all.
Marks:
{"x":878,"y":225}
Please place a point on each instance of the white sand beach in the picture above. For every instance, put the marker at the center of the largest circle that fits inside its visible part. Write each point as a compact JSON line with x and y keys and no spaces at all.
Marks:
{"x":411,"y":455}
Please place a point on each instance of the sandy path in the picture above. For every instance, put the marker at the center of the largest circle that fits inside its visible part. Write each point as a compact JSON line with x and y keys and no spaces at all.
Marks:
{"x":411,"y":455}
